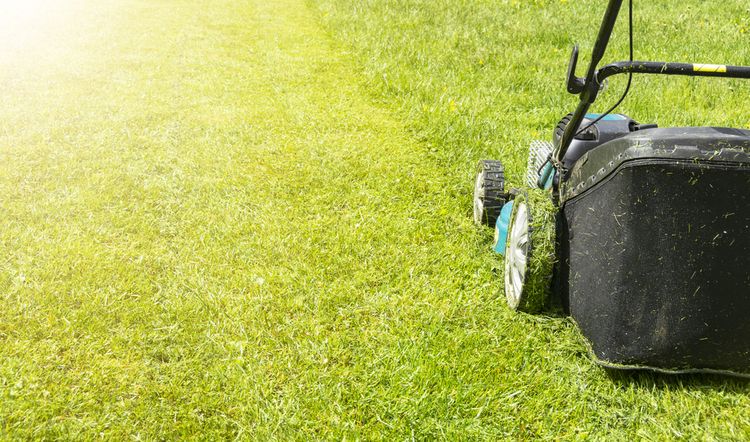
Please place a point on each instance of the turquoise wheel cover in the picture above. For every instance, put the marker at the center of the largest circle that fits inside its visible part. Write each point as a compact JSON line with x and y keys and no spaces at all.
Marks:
{"x":501,"y":228}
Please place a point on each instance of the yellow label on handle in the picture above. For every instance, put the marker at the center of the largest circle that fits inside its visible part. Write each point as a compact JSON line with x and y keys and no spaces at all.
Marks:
{"x":709,"y":68}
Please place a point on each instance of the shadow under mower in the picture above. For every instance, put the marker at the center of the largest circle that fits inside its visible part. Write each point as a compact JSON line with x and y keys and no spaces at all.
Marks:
{"x":640,"y":233}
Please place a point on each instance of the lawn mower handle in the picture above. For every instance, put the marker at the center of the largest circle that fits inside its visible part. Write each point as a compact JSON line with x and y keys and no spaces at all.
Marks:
{"x":588,"y":87}
{"x":657,"y":67}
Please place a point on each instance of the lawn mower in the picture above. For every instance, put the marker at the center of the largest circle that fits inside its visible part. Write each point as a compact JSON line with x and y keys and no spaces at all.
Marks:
{"x":640,"y":233}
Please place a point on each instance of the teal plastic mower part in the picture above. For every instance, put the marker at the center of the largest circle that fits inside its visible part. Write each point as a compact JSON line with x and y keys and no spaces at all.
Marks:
{"x":501,"y":228}
{"x":546,"y":177}
{"x":608,"y":117}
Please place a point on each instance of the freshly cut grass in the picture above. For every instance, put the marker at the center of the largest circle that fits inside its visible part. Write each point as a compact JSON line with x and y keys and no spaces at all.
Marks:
{"x":481,"y":79}
{"x":214,"y":226}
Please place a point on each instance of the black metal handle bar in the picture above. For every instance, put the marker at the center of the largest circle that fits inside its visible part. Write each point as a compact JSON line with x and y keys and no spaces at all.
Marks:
{"x":688,"y":69}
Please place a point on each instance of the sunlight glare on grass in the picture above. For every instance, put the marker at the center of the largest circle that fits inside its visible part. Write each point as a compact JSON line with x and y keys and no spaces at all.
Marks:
{"x":23,"y":23}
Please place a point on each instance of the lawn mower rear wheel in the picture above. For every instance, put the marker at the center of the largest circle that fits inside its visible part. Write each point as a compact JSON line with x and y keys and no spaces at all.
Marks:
{"x":489,"y":196}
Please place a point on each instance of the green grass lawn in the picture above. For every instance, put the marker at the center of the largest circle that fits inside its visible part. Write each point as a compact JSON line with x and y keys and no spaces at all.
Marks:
{"x":251,"y":220}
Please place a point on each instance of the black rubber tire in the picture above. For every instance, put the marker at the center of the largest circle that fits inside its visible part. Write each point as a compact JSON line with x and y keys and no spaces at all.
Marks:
{"x":489,"y":192}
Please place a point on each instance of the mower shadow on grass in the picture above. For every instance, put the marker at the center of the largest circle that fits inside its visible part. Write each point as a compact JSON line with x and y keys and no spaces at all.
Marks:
{"x":686,"y":381}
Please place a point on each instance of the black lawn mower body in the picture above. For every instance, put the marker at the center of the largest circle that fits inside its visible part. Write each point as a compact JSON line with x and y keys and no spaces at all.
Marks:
{"x":654,"y":249}
{"x":652,"y":229}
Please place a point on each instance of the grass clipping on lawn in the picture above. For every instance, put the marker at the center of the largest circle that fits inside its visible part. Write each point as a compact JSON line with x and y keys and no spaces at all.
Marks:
{"x":541,"y":254}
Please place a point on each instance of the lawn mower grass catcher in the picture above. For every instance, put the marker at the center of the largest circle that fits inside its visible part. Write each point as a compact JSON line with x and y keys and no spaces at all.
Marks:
{"x":640,"y":233}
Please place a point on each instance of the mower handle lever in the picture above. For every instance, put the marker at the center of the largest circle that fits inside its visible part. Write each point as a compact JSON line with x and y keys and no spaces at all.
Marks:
{"x":575,"y":84}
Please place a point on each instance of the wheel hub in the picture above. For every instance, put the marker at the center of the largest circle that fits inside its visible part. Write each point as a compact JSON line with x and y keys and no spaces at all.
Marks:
{"x":517,"y":254}
{"x":479,"y":199}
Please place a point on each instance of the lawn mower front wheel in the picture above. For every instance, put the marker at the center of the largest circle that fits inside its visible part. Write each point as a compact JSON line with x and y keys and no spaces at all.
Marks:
{"x":530,"y":251}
